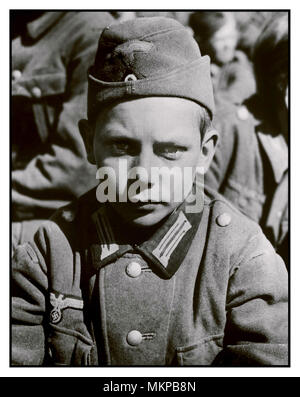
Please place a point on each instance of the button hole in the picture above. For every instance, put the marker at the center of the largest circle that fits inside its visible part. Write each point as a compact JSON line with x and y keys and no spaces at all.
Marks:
{"x":149,"y":336}
{"x":146,"y":269}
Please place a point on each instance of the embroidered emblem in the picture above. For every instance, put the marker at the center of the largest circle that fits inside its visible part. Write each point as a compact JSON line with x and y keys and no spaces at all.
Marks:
{"x":105,"y":233}
{"x":171,"y":239}
{"x":60,"y":303}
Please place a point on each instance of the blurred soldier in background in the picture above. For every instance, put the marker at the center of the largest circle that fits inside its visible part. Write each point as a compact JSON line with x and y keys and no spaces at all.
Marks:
{"x":180,"y":16}
{"x":250,"y":166}
{"x":217,"y":35}
{"x":50,"y":54}
{"x":122,"y":16}
{"x":250,"y":24}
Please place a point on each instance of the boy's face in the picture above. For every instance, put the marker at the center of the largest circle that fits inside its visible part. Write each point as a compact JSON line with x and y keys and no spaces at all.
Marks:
{"x":223,"y":43}
{"x":147,"y":132}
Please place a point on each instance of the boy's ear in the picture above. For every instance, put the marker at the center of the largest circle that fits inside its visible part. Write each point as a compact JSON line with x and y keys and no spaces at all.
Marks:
{"x":87,"y":134}
{"x":208,"y":147}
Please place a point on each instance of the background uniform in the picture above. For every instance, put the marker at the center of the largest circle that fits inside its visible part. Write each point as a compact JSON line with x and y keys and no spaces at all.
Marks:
{"x":49,"y":67}
{"x":250,"y":167}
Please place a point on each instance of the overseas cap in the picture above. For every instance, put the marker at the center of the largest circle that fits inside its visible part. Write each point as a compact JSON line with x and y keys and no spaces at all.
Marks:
{"x":148,"y":57}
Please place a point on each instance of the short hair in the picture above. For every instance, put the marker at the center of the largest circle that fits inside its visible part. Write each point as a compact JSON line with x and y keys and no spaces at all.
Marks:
{"x":205,"y":121}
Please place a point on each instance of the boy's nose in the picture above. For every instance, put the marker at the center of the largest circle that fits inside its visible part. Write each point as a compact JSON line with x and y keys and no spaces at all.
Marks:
{"x":144,"y":163}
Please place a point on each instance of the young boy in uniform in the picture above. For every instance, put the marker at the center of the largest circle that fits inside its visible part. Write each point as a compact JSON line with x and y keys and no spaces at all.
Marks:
{"x":149,"y":281}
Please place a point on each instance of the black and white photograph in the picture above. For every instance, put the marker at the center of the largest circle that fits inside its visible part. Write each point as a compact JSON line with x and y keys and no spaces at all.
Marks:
{"x":149,"y":188}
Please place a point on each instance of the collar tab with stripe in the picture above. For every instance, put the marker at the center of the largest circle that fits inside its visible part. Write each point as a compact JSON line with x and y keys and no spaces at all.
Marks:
{"x":164,"y":251}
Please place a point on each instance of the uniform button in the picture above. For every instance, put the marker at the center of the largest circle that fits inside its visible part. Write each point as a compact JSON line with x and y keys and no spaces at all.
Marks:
{"x":242,"y":113}
{"x":16,"y":74}
{"x":134,"y":269}
{"x":134,"y":338}
{"x":224,"y":219}
{"x":36,"y":92}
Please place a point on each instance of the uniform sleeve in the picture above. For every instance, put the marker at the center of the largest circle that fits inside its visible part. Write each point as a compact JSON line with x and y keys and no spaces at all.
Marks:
{"x":62,"y":172}
{"x":257,"y":313}
{"x":28,"y":288}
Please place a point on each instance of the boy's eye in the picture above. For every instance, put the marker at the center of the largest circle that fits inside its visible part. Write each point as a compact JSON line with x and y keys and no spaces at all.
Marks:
{"x":119,"y":148}
{"x":172,"y":152}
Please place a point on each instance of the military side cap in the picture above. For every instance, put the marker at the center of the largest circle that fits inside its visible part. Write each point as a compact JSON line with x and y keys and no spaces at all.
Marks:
{"x":148,"y":57}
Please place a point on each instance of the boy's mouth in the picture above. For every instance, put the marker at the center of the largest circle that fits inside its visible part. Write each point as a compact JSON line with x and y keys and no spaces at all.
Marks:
{"x":146,"y":205}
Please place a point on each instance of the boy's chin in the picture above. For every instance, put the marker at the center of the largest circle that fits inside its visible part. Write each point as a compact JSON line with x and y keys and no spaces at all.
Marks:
{"x":145,"y":221}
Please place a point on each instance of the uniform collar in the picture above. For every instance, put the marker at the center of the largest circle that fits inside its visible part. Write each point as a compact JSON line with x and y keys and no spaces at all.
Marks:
{"x":164,"y":251}
{"x":276,"y":150}
{"x":39,"y":26}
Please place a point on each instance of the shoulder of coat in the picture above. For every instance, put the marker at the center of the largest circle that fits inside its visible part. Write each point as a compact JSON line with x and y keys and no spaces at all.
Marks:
{"x":225,"y":214}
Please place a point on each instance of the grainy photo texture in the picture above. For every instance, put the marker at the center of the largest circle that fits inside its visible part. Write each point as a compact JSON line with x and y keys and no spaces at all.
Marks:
{"x":149,"y":188}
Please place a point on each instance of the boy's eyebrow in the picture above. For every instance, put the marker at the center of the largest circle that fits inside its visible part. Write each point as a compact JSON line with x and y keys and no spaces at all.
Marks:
{"x":119,"y":138}
{"x":170,"y":143}
{"x":123,"y":138}
{"x":112,"y":135}
{"x":114,"y":132}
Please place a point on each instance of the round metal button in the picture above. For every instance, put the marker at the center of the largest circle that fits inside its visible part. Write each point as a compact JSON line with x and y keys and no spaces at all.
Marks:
{"x":36,"y":91}
{"x":134,"y":338}
{"x":16,"y":74}
{"x":130,"y":77}
{"x":134,"y":269}
{"x":242,"y":113}
{"x":224,"y":219}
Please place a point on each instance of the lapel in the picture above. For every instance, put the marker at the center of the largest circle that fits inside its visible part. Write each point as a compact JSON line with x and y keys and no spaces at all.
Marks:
{"x":276,"y":150}
{"x":165,"y":250}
